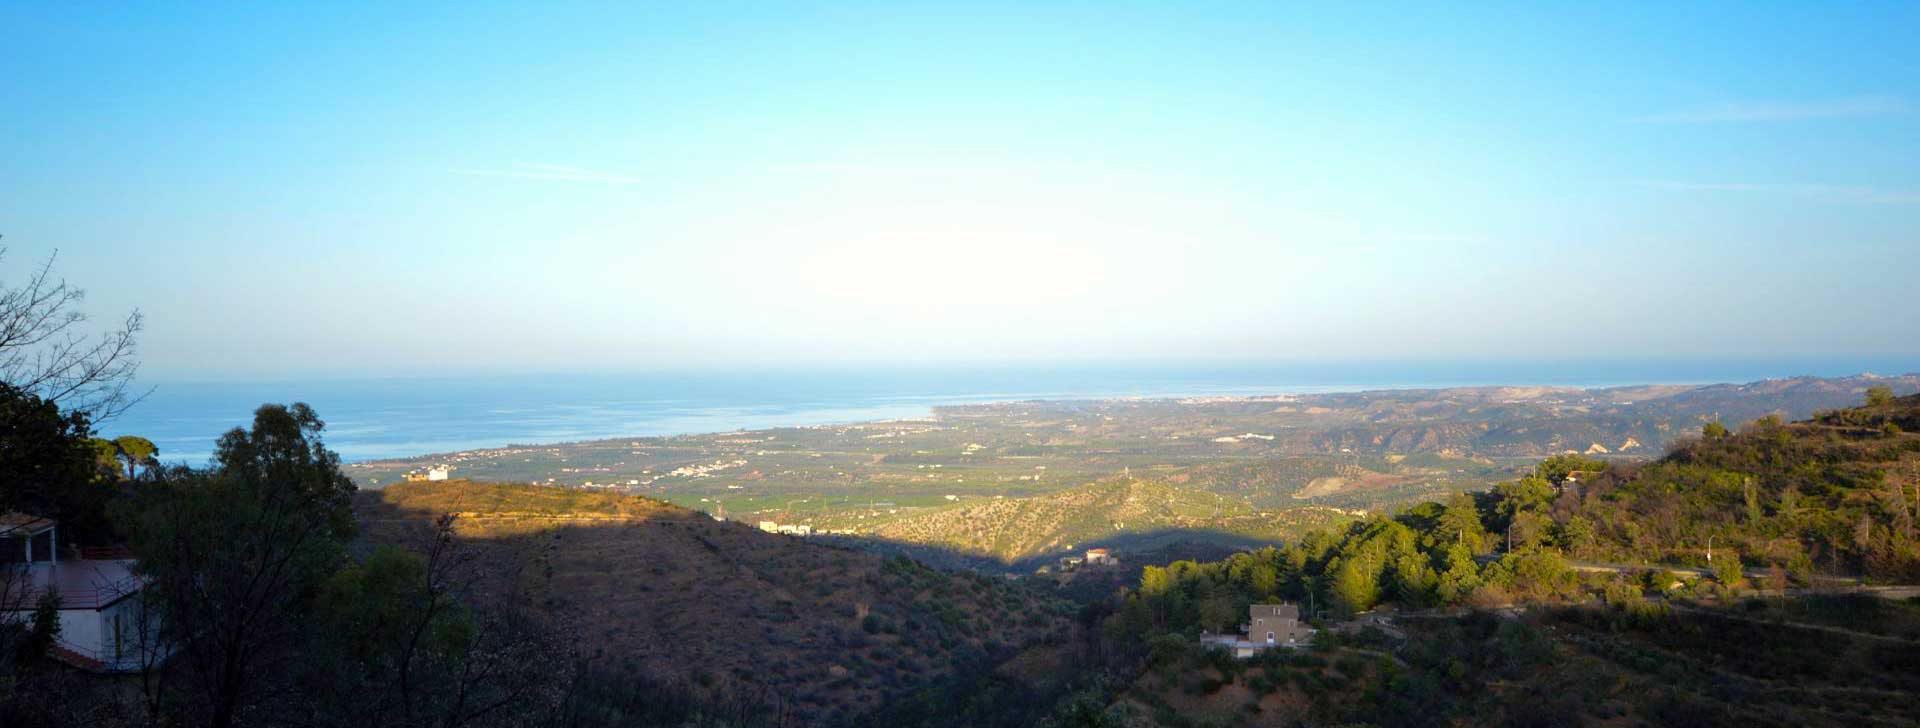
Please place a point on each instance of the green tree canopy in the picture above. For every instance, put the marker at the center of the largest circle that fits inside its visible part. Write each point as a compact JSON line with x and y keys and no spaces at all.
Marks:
{"x":1555,"y":469}
{"x":1713,"y":430}
{"x":138,"y":452}
{"x":234,"y":553}
{"x":1878,"y":395}
{"x":47,"y":464}
{"x":1460,"y":524}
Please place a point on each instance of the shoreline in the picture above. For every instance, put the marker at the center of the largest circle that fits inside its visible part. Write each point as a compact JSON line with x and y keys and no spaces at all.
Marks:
{"x":933,"y":411}
{"x":376,"y":422}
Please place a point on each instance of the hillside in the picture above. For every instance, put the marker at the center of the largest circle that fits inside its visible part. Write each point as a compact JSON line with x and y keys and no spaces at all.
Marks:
{"x":1839,"y":493}
{"x":1102,"y":514}
{"x":1564,"y":666}
{"x":813,"y":632}
{"x":1353,"y":450}
{"x":1403,"y":598}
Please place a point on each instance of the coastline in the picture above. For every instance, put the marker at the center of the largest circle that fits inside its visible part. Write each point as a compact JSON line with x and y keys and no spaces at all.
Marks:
{"x":397,"y":419}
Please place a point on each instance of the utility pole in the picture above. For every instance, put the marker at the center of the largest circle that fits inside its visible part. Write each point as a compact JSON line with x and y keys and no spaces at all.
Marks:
{"x":1709,"y":549}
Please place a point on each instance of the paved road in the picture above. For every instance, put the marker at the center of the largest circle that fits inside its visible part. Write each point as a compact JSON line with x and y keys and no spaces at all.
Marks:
{"x":1835,"y":584}
{"x":1595,"y":566}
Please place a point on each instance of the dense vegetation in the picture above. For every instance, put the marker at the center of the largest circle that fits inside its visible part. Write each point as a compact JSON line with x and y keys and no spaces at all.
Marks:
{"x":256,"y":610}
{"x":1837,"y":494}
{"x":1787,"y":505}
{"x":1761,"y":663}
{"x":1834,"y":496}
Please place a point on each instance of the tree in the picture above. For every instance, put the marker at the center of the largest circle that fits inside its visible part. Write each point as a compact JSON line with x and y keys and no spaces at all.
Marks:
{"x":47,"y":463}
{"x":1777,"y":580}
{"x":138,"y":452}
{"x":1356,"y":586}
{"x":1555,"y":469}
{"x":392,"y":643}
{"x":1414,"y":582}
{"x":1155,"y":581}
{"x":1713,"y":431}
{"x":1879,"y":395}
{"x":1529,"y":529}
{"x":1264,"y":579}
{"x":1542,"y":574}
{"x":1578,"y":535}
{"x":1220,"y":612}
{"x":1460,"y":524}
{"x":233,"y":555}
{"x":45,"y":629}
{"x":106,"y":458}
{"x":1727,"y":571}
{"x":1460,"y":577}
{"x":282,"y":456}
{"x":1529,"y":494}
{"x":45,"y":350}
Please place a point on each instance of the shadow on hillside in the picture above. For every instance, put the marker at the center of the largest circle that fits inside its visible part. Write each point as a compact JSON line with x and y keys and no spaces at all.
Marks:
{"x":672,"y":594}
{"x":486,"y":518}
{"x":1134,"y":549}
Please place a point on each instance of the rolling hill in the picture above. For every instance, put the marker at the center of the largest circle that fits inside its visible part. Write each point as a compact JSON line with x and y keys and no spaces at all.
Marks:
{"x":1121,"y":512}
{"x":810,"y":631}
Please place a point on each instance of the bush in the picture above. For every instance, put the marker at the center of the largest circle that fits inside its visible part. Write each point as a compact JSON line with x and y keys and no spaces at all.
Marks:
{"x":1728,"y":573}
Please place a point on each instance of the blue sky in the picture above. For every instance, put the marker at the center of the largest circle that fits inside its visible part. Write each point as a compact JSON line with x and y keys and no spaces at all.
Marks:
{"x":389,"y":189}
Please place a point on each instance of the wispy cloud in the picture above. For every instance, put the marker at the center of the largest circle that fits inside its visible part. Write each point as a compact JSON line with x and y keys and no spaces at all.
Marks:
{"x":553,"y":172}
{"x":1748,"y":112}
{"x":1837,"y":193}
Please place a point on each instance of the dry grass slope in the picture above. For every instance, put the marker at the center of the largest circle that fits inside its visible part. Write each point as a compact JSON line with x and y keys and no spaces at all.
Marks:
{"x":824,"y":632}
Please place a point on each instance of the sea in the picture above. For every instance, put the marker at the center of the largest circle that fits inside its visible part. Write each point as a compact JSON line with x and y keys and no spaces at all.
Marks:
{"x":374,"y":418}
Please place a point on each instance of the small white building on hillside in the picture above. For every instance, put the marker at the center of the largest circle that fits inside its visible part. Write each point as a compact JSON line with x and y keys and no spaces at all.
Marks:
{"x":104,"y":627}
{"x":1268,"y":626}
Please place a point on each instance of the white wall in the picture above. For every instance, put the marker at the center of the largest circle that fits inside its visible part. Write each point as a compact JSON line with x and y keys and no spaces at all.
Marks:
{"x":82,"y":629}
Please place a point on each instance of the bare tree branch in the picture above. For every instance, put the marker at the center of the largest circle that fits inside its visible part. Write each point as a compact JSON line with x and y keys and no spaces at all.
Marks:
{"x":44,"y":348}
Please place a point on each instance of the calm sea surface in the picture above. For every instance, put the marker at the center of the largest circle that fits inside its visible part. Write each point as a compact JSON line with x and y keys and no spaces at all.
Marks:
{"x":382,"y":418}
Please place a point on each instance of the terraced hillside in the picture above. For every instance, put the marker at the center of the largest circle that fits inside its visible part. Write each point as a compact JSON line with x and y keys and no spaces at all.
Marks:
{"x":811,"y":631}
{"x":1130,"y":512}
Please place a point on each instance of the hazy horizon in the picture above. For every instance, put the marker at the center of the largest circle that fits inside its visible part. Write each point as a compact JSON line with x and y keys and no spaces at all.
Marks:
{"x":388,"y":417}
{"x":376,"y":191}
{"x":1580,"y":372}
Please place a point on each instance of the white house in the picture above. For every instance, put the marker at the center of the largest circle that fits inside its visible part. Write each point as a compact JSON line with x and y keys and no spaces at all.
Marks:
{"x":103,"y":627}
{"x":440,"y":473}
